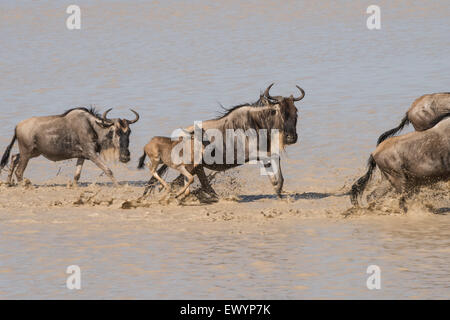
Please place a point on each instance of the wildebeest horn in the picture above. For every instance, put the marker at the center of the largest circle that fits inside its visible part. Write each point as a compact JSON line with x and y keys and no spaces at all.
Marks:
{"x":136,"y":119}
{"x":266,"y":93}
{"x":268,"y":96}
{"x":104,"y":115}
{"x":302,"y":96}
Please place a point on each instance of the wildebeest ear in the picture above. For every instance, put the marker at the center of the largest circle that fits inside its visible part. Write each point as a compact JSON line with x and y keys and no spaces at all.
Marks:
{"x":104,"y":124}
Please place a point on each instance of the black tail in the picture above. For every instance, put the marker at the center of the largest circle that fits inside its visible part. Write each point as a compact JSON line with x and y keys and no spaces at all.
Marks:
{"x":360,"y":185}
{"x":390,"y":133}
{"x":5,"y":157}
{"x":141,"y":161}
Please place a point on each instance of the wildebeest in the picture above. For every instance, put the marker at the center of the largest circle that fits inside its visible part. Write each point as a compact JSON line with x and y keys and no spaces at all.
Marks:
{"x":77,"y":133}
{"x":159,"y":150}
{"x":411,"y":160}
{"x":422,"y":114}
{"x":267,"y":113}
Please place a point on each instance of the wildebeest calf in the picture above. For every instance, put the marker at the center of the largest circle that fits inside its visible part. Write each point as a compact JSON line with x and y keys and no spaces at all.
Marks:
{"x":159,"y":150}
{"x":411,"y":160}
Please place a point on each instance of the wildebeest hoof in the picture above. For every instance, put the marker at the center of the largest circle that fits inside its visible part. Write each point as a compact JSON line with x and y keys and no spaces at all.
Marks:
{"x":166,"y":196}
{"x":180,"y":195}
{"x":72,"y":184}
{"x":214,"y":197}
{"x":212,"y":194}
{"x":10,"y":184}
{"x":26,"y":183}
{"x":139,"y":199}
{"x":164,"y":200}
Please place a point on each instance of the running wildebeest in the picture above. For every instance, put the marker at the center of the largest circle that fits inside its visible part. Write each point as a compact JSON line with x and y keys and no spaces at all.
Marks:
{"x":422,"y":114}
{"x":159,"y":150}
{"x":78,"y":133}
{"x":267,"y":113}
{"x":411,"y":160}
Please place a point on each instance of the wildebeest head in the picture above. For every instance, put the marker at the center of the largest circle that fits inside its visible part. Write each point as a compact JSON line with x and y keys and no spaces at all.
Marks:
{"x":286,"y":118}
{"x":118,"y":136}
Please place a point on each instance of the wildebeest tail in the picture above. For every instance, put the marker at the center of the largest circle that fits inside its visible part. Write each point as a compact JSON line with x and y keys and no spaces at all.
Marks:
{"x":390,"y":133}
{"x":5,"y":157}
{"x":360,"y":185}
{"x":141,"y":161}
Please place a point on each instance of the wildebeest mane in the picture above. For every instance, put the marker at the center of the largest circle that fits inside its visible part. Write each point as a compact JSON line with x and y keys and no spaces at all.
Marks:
{"x":262,"y":101}
{"x":91,"y":110}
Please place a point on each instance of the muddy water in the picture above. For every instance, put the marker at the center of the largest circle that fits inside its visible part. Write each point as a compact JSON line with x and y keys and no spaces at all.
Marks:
{"x":126,"y":256}
{"x":174,"y":62}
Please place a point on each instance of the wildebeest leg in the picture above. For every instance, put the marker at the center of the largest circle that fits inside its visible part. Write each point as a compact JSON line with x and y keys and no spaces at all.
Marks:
{"x":398,"y":181}
{"x":154,"y":172}
{"x":409,"y":192}
{"x":190,"y":180}
{"x":178,"y":181}
{"x":14,"y":162}
{"x":403,"y":198}
{"x":152,"y":182}
{"x":188,"y":190}
{"x":273,"y":169}
{"x":21,"y":166}
{"x":80,"y":162}
{"x":200,"y":171}
{"x":150,"y":185}
{"x":95,"y":159}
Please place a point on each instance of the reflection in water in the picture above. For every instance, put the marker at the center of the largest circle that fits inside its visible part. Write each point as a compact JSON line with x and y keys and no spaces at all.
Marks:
{"x":316,"y":259}
{"x":173,"y":62}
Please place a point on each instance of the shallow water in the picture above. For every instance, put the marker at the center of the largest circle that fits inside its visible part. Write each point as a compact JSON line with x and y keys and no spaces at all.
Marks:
{"x":173,"y":62}
{"x":312,"y":259}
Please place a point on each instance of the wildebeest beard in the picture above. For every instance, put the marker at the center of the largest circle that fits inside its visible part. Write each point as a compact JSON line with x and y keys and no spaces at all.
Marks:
{"x":114,"y":144}
{"x":110,"y":152}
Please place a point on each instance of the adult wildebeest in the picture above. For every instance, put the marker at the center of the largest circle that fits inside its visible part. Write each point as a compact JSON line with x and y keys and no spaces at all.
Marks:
{"x":78,"y":133}
{"x":411,"y":160}
{"x":422,"y":114}
{"x":267,"y":113}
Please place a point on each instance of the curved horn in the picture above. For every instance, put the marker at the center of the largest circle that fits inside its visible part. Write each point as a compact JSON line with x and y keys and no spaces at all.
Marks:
{"x":136,"y":119}
{"x":105,"y":113}
{"x":302,"y":96}
{"x":267,"y":95}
